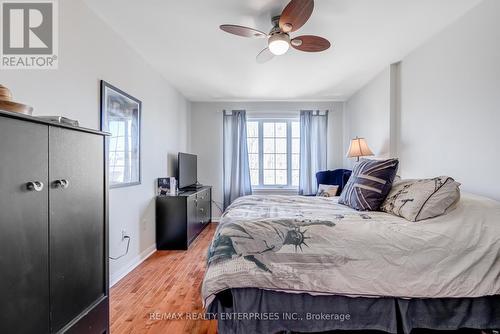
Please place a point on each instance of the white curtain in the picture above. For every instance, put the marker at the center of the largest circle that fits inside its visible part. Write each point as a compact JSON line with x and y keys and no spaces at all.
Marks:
{"x":313,"y":148}
{"x":236,"y":166}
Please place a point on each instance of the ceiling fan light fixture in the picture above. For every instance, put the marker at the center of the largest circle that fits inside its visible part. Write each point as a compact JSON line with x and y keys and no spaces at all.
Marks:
{"x":279,"y":44}
{"x":292,"y":18}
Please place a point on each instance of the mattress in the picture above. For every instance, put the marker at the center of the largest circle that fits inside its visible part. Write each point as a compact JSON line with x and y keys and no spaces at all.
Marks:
{"x":314,"y":245}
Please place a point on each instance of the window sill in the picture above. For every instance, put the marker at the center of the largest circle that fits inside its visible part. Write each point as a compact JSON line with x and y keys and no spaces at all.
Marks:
{"x":275,"y":191}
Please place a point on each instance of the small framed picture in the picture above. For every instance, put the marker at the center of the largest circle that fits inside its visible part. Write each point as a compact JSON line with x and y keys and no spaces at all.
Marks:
{"x":166,"y":186}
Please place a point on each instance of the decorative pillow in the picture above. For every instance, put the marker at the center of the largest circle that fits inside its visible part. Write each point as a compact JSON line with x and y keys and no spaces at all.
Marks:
{"x":327,"y":190}
{"x":370,"y":182}
{"x":422,"y":199}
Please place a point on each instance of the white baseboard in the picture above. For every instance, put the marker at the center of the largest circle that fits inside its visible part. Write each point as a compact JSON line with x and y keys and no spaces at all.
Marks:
{"x":116,"y":277}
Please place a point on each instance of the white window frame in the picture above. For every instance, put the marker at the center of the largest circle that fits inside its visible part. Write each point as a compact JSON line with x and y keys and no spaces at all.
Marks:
{"x":261,"y":121}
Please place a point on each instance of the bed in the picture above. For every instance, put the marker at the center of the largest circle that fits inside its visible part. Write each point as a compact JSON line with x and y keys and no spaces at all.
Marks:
{"x":305,"y":264}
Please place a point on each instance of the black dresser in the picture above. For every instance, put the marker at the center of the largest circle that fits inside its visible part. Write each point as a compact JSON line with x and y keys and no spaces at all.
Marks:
{"x":180,"y":218}
{"x":53,"y":228}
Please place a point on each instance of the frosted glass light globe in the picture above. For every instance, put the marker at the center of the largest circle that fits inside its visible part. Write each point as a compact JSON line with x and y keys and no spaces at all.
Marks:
{"x":279,"y":44}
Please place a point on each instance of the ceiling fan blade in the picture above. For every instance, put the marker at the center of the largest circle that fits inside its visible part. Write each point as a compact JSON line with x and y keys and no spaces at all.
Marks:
{"x":309,"y":43}
{"x":296,"y":14}
{"x":242,"y":31}
{"x":264,"y":56}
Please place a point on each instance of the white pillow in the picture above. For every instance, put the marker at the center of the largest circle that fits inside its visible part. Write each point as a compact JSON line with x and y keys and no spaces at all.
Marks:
{"x":422,"y":199}
{"x":327,"y":190}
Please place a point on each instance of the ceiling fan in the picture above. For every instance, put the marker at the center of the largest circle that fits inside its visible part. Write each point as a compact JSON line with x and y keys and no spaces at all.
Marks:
{"x":294,"y":16}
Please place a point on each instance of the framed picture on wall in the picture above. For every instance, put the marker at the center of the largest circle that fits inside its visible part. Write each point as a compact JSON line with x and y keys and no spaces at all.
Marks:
{"x":121,"y":116}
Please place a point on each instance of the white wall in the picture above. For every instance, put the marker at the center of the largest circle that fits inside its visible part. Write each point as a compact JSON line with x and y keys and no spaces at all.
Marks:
{"x":450,"y":104}
{"x":90,"y":51}
{"x":368,"y":115}
{"x":206,"y":135}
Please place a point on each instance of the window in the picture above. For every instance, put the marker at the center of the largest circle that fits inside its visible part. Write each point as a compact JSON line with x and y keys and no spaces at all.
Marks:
{"x":274,"y":152}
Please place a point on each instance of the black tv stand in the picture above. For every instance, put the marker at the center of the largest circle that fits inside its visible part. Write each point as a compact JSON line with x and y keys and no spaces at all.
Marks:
{"x":192,"y":188}
{"x":181,"y":217}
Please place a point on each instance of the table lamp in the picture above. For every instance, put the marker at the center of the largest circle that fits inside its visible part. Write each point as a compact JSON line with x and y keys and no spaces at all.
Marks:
{"x":358,"y":148}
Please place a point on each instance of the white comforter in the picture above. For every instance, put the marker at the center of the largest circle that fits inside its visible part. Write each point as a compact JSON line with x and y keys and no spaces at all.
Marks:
{"x":455,"y":255}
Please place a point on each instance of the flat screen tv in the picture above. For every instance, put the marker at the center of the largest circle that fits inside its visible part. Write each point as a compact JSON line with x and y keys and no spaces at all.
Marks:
{"x":188,"y":170}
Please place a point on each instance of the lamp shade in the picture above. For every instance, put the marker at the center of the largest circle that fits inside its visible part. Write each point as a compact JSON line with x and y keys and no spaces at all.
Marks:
{"x":358,"y":148}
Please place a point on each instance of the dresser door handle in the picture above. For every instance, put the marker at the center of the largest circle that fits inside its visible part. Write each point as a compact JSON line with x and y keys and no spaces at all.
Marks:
{"x":63,"y":183}
{"x":34,"y":186}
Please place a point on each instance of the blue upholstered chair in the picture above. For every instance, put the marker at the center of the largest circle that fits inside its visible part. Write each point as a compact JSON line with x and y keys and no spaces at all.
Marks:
{"x":337,"y":177}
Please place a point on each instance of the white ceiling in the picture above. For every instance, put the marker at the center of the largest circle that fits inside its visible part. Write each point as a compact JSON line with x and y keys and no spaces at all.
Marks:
{"x":182,"y":40}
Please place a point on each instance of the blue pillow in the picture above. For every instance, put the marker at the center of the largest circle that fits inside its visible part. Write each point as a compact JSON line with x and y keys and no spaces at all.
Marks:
{"x":369,"y":185}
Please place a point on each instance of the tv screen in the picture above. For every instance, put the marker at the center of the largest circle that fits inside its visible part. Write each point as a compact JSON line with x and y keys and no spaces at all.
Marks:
{"x":188,"y":170}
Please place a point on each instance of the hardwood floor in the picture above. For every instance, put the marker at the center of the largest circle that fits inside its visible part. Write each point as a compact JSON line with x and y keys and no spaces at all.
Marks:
{"x":167,"y":282}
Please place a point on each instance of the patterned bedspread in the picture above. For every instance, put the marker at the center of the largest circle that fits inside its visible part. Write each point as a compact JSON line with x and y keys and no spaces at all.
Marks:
{"x":317,"y":246}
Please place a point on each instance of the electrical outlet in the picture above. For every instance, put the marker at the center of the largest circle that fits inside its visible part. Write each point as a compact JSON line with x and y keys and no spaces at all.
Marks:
{"x":125,"y":234}
{"x":144,"y":224}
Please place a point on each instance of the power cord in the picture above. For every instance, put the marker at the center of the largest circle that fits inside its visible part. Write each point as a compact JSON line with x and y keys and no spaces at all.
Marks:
{"x":218,"y":206}
{"x":126,"y":252}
